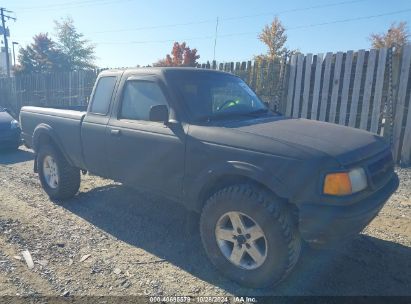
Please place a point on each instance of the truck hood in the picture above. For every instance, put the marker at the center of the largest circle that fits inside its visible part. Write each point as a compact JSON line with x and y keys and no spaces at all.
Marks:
{"x":347,"y":145}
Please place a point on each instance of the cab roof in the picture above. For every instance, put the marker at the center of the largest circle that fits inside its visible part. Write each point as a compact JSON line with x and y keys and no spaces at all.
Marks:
{"x":160,"y":70}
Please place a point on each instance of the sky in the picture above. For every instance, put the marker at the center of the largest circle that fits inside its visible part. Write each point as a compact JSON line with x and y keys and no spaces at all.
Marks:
{"x":131,"y":32}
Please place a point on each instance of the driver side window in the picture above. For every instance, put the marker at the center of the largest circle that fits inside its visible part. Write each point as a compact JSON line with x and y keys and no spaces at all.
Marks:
{"x":138,"y":98}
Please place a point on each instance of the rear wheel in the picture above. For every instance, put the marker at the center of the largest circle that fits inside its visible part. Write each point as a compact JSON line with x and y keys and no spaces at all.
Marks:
{"x":59,"y":179}
{"x":250,"y":236}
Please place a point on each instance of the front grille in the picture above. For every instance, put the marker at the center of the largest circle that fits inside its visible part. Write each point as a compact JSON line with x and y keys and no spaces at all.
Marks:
{"x":381,"y":169}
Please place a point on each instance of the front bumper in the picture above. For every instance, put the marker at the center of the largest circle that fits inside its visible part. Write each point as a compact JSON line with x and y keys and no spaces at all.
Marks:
{"x":10,"y":138}
{"x":325,"y":224}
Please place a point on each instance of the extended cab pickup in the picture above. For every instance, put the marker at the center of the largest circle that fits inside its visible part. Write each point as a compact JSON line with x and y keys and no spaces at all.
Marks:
{"x":262,"y":182}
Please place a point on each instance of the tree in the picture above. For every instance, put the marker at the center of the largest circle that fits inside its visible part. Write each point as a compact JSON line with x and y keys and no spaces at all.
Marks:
{"x":181,"y":55}
{"x":274,"y":36}
{"x":41,"y":56}
{"x":396,"y":36}
{"x":79,"y":51}
{"x":71,"y":52}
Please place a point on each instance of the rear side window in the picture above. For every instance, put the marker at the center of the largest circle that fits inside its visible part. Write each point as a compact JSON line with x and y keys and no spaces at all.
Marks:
{"x":102,"y":95}
{"x":139,"y":97}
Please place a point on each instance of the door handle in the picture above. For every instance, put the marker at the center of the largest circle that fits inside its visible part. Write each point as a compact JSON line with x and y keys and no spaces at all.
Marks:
{"x":115,"y":132}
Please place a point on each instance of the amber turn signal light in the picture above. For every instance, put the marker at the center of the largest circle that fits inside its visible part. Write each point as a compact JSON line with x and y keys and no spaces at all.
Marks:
{"x":337,"y":184}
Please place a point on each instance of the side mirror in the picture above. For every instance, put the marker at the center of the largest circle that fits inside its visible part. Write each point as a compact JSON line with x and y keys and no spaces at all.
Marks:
{"x":159,"y":113}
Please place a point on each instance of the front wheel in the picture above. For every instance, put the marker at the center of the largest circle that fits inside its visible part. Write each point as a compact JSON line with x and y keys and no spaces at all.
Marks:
{"x":59,"y":179}
{"x":250,"y":236}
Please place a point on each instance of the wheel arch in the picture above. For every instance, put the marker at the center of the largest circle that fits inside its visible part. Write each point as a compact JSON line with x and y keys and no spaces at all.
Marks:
{"x":237,"y":173}
{"x":44,"y":134}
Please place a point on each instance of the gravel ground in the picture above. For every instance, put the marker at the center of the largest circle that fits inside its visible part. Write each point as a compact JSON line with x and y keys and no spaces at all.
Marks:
{"x":111,"y":240}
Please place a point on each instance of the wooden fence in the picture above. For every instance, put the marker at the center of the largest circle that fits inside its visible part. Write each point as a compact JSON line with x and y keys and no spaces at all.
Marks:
{"x":369,"y":90}
{"x":266,"y":78}
{"x":402,"y":110}
{"x":364,"y":89}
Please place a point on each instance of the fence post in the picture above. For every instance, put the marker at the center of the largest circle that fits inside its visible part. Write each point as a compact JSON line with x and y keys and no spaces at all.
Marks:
{"x":345,"y":89}
{"x":366,"y":100}
{"x":325,"y":92}
{"x":248,"y":73}
{"x":359,"y":66}
{"x":401,"y":102}
{"x":298,"y":79}
{"x":307,"y":82}
{"x":317,"y":86}
{"x":13,"y":96}
{"x":379,"y":84}
{"x":270,"y":83}
{"x":283,"y":83}
{"x":335,"y":87}
{"x":291,"y":81}
{"x":214,"y":66}
{"x":237,"y":68}
{"x":254,"y":76}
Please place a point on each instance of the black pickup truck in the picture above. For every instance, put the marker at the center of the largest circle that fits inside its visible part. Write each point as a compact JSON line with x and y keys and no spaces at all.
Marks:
{"x":263,"y":183}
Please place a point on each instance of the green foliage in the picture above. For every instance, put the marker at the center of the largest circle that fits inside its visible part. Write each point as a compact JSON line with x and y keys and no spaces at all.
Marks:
{"x":70,"y":52}
{"x":274,"y":37}
{"x":41,"y":56}
{"x":79,"y":51}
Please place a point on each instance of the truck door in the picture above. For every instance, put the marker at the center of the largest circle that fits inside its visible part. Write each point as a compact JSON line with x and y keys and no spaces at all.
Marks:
{"x":93,"y":129}
{"x":143,"y":153}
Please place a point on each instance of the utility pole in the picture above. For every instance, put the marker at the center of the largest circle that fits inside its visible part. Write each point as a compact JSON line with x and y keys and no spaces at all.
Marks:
{"x":215,"y":37}
{"x":6,"y":44}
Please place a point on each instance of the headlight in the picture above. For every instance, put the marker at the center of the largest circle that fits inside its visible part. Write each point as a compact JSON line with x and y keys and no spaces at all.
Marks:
{"x":345,"y":183}
{"x":14,"y":124}
{"x":358,"y":180}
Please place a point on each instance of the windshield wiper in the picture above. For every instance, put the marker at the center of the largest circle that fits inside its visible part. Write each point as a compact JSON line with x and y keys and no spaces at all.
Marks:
{"x":258,"y":112}
{"x":264,"y":111}
{"x":221,"y":116}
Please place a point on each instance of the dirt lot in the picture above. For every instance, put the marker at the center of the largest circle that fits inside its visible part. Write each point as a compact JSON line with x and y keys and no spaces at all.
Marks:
{"x":110,"y":240}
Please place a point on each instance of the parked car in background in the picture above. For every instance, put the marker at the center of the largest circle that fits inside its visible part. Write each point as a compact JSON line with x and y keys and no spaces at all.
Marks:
{"x":9,"y":131}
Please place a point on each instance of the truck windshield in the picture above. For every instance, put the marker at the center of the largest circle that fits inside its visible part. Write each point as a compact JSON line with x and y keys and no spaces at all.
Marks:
{"x":211,"y":96}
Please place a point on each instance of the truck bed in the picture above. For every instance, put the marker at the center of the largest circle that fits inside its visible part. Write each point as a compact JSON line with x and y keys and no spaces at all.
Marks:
{"x":65,"y":123}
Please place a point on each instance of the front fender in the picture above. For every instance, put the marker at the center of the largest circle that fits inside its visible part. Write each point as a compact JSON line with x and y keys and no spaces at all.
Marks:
{"x":211,"y":175}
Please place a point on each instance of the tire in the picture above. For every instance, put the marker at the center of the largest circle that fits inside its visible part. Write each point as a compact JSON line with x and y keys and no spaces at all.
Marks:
{"x":68,"y":177}
{"x":262,"y":212}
